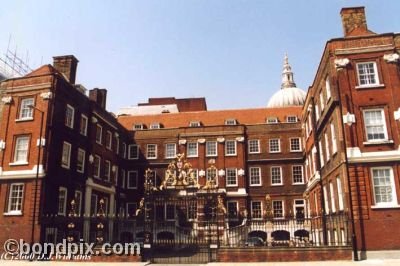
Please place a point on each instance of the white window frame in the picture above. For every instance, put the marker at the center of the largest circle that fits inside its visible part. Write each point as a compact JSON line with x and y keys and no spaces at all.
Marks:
{"x":340,"y":193}
{"x":283,"y":209}
{"x":322,"y":100}
{"x":328,"y":89}
{"x":69,"y":122}
{"x":20,"y":200}
{"x":208,"y":153}
{"x":66,"y":164}
{"x":279,"y":145}
{"x":326,"y":199}
{"x":82,"y":168}
{"x":251,"y":143}
{"x":291,"y":117}
{"x":227,"y":152}
{"x":251,"y":173}
{"x":327,"y":149}
{"x":129,"y":185}
{"x":78,"y":197}
{"x":138,"y":127}
{"x":130,"y":155}
{"x":376,"y":75}
{"x":393,"y":203}
{"x":18,"y":150}
{"x":302,"y":174}
{"x":97,"y":172}
{"x":194,"y":124}
{"x":107,"y":170}
{"x":83,"y":130}
{"x":95,"y":204}
{"x":382,"y":110}
{"x":230,"y":122}
{"x":291,"y":146}
{"x":168,"y":148}
{"x":280,"y":177}
{"x":109,"y":139}
{"x":236,"y":177}
{"x":99,"y":138}
{"x":25,"y":107}
{"x":64,"y":211}
{"x":148,"y":147}
{"x":333,"y":139}
{"x":155,"y":126}
{"x":332,"y":195}
{"x":272,"y":120}
{"x":321,"y":154}
{"x":188,"y":149}
{"x":261,"y":209}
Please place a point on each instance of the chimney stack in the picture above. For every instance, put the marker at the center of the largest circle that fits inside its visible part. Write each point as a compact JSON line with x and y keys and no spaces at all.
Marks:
{"x":354,"y":21}
{"x":67,"y":65}
{"x":99,"y":96}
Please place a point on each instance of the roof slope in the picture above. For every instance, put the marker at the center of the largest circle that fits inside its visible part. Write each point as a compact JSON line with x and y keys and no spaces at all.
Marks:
{"x":212,"y":118}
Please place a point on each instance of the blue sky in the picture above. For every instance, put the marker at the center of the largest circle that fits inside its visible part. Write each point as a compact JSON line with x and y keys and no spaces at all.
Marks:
{"x":229,"y":51}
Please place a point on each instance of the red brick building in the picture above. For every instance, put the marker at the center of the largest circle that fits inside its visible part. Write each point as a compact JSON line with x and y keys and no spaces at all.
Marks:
{"x":351,"y":133}
{"x":332,"y":152}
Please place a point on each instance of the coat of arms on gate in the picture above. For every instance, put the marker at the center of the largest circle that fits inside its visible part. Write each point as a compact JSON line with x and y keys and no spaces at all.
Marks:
{"x":179,"y":174}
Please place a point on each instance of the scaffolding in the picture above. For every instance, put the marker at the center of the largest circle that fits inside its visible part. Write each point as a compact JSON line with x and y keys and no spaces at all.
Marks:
{"x":12,"y":65}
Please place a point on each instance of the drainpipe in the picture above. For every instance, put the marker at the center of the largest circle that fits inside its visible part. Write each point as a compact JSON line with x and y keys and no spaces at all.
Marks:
{"x":353,"y":233}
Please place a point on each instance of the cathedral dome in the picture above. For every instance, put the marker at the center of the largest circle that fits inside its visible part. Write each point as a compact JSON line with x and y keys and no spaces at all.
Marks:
{"x":289,"y":95}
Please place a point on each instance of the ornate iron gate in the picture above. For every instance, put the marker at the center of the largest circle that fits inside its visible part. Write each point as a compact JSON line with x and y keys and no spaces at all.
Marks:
{"x":183,"y":221}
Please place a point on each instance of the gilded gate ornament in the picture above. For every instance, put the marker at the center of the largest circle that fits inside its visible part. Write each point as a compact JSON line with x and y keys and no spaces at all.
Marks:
{"x":179,"y":174}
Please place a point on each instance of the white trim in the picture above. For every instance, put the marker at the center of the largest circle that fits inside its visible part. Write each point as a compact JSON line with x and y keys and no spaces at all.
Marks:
{"x":84,"y":160}
{"x":251,"y":209}
{"x":68,"y":164}
{"x":300,"y":146}
{"x":279,"y":145}
{"x":281,"y":175}
{"x":100,"y":142}
{"x":394,"y":202}
{"x":15,"y":212}
{"x":155,"y":151}
{"x":283,"y":209}
{"x":216,"y":149}
{"x":241,"y":192}
{"x":22,"y":174}
{"x":129,"y":151}
{"x":166,"y":150}
{"x":65,"y":201}
{"x":382,"y":110}
{"x":102,"y":118}
{"x":258,"y":146}
{"x":226,"y":147}
{"x":236,"y":177}
{"x":86,"y":125}
{"x":136,"y":177}
{"x":259,"y":176}
{"x":187,"y":149}
{"x":109,"y":141}
{"x":69,"y":107}
{"x":355,"y":155}
{"x":98,"y":187}
{"x":376,"y":75}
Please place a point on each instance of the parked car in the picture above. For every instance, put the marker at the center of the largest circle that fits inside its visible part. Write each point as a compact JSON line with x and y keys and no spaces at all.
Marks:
{"x":255,"y":242}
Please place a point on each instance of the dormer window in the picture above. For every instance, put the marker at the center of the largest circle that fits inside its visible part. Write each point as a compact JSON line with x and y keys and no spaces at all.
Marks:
{"x":138,"y":127}
{"x":291,"y":119}
{"x":155,"y":126}
{"x":272,"y":120}
{"x":194,"y":124}
{"x":230,"y":122}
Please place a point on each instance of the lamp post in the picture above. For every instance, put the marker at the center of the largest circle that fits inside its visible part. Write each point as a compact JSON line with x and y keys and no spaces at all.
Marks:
{"x":37,"y":171}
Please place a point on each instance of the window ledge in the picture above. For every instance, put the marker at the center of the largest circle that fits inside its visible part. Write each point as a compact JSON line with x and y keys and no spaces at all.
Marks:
{"x":230,"y":155}
{"x":13,"y":213}
{"x":298,"y":184}
{"x":255,"y":185}
{"x":18,"y":163}
{"x":210,"y":156}
{"x":232,"y":185}
{"x":24,"y":119}
{"x":393,"y":206}
{"x":276,"y":185}
{"x":296,"y":151}
{"x":390,"y":141}
{"x":254,"y":152}
{"x":275,"y":152}
{"x":370,"y":86}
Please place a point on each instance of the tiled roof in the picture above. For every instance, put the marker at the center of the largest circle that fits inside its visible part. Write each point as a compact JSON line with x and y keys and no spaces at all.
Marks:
{"x":43,"y":70}
{"x":212,"y":118}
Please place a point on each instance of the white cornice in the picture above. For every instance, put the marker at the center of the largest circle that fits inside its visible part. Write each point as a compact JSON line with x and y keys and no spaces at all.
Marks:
{"x":22,"y":174}
{"x":90,"y":183}
{"x":355,"y":155}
